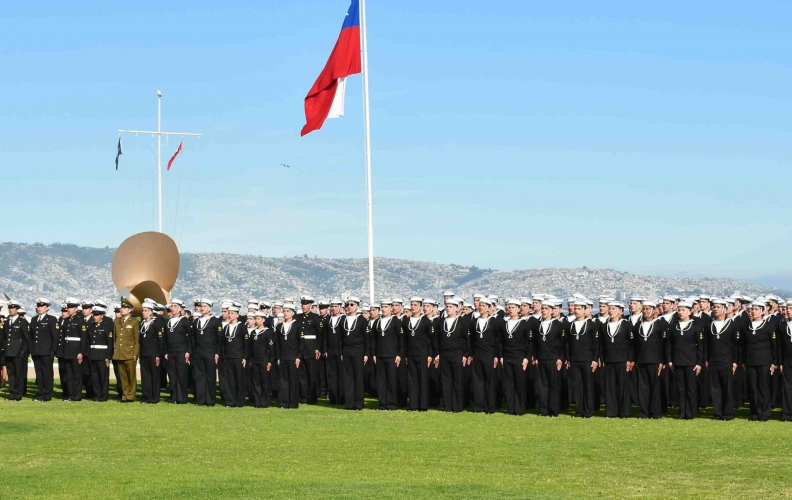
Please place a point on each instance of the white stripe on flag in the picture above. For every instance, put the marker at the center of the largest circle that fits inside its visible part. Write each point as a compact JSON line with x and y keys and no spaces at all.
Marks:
{"x":337,"y":109}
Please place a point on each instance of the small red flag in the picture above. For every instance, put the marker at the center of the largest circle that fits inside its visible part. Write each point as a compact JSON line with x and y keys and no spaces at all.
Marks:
{"x":178,"y":150}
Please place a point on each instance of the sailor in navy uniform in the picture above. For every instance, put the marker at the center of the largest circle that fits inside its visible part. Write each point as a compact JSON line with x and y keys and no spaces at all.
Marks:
{"x":100,"y":352}
{"x":261,"y":346}
{"x":44,"y":333}
{"x":178,"y":353}
{"x":235,"y":352}
{"x":685,"y":355}
{"x":722,"y":353}
{"x":759,"y":350}
{"x":454,"y":349}
{"x":548,"y":353}
{"x":370,"y":369}
{"x":650,"y":334}
{"x":204,"y":348}
{"x":289,"y":349}
{"x":152,"y":354}
{"x":421,"y":350}
{"x":402,"y":385}
{"x":784,"y":341}
{"x":485,"y":341}
{"x":72,"y":352}
{"x":308,"y":326}
{"x":616,"y":346}
{"x":16,"y":345}
{"x":324,"y":308}
{"x":355,"y":347}
{"x":388,"y":349}
{"x":432,"y":372}
{"x":332,"y":335}
{"x":582,"y":355}
{"x":516,"y":346}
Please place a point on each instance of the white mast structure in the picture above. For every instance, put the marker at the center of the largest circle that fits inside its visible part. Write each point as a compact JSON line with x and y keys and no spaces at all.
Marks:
{"x":159,"y":133}
{"x":364,"y":61}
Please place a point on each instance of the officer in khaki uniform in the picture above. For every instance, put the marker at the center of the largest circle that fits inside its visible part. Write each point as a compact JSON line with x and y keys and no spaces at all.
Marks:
{"x":126,"y":350}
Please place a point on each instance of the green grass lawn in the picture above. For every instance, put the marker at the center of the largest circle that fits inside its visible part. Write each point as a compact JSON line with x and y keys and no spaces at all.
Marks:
{"x":110,"y":450}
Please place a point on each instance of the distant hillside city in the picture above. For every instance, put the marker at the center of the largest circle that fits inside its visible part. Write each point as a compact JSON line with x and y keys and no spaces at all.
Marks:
{"x":28,"y":271}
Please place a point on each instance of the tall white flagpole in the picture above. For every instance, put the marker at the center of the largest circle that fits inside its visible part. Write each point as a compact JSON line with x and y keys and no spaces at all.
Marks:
{"x":159,"y":154}
{"x":364,"y":60}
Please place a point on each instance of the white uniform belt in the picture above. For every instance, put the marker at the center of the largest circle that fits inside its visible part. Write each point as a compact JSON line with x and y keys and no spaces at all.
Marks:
{"x":73,"y":339}
{"x":310,"y":337}
{"x":98,"y":347}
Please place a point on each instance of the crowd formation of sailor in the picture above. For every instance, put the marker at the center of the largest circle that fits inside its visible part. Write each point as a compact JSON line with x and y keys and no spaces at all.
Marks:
{"x":674,"y":352}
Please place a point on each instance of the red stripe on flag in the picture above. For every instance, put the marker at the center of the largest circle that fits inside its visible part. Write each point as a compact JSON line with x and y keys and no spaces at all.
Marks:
{"x":178,"y":150}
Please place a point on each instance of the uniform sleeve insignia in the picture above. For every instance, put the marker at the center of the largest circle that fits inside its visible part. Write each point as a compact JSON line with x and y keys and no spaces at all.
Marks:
{"x":57,"y":326}
{"x":83,"y":328}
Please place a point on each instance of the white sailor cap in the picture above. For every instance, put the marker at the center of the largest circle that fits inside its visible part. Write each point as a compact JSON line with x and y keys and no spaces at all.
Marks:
{"x":374,"y":305}
{"x":149,"y":305}
{"x":548,"y":303}
{"x":719,"y":301}
{"x":336,"y":302}
{"x":782,"y":303}
{"x":43,"y":302}
{"x":226,"y":304}
{"x":98,"y":309}
{"x":571,"y":300}
{"x":616,"y":303}
{"x":254,"y":302}
{"x":493,"y":298}
{"x":416,"y":299}
{"x":72,"y":302}
{"x":557,"y":302}
{"x":637,"y":298}
{"x":537,"y":297}
{"x":513,"y":302}
{"x":774,"y":298}
{"x":397,"y":300}
{"x":277,"y":304}
{"x":686,"y":303}
{"x":260,"y":314}
{"x":669,"y":298}
{"x":704,"y":297}
{"x":354,"y":299}
{"x":788,"y":301}
{"x":448,"y":293}
{"x":759,"y":303}
{"x":604,"y":299}
{"x":204,"y":300}
{"x":280,"y":315}
{"x":307,"y":299}
{"x":589,"y":302}
{"x":478,"y":296}
{"x":452,"y":302}
{"x":730,"y":301}
{"x":579,"y":302}
{"x":578,"y":296}
{"x":526,"y":301}
{"x":484,"y":301}
{"x":649,"y":303}
{"x":386,"y":302}
{"x":176,"y":302}
{"x":14,"y":304}
{"x":433,"y":302}
{"x":233,"y":308}
{"x":289,"y":305}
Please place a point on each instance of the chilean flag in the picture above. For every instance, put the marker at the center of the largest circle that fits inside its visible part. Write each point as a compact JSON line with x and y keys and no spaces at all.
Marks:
{"x":326,"y":97}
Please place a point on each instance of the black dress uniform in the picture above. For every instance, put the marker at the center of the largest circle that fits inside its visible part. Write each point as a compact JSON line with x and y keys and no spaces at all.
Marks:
{"x":453,"y":343}
{"x":73,"y":343}
{"x":16,"y":343}
{"x":759,"y":351}
{"x":332,"y":333}
{"x":616,"y":346}
{"x":234,"y":351}
{"x":549,"y":342}
{"x":307,"y":325}
{"x":87,"y":321}
{"x":516,"y":341}
{"x":205,"y":347}
{"x":784,"y":341}
{"x":583,"y":348}
{"x":388,"y":344}
{"x":289,"y":349}
{"x":100,"y":352}
{"x":485,"y":341}
{"x":722,"y":353}
{"x":152,"y":347}
{"x":177,"y":344}
{"x":649,"y":341}
{"x":44,"y":332}
{"x":421,"y":345}
{"x":261,"y":350}
{"x":355,"y":344}
{"x":685,"y":349}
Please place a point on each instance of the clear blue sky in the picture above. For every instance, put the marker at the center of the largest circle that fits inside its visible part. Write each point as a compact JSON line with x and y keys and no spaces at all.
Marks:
{"x":648,"y":137}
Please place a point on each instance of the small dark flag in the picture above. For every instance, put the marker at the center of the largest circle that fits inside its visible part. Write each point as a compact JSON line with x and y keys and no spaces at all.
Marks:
{"x":119,"y":153}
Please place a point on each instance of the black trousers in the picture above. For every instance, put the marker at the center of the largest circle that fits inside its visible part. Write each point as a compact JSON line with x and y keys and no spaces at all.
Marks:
{"x":548,"y":388}
{"x":309,"y":379}
{"x":687,"y":384}
{"x":786,"y":393}
{"x":402,"y":385}
{"x":386,"y":383}
{"x":582,"y":388}
{"x":740,"y":391}
{"x":260,"y":390}
{"x":236,"y":382}
{"x":759,"y":391}
{"x":514,"y":386}
{"x":64,"y":381}
{"x":177,"y":373}
{"x":703,"y":387}
{"x":205,"y":378}
{"x":323,"y":382}
{"x":290,"y":384}
{"x":100,"y":380}
{"x":485,"y":379}
{"x":617,"y":394}
{"x":721,"y":382}
{"x":453,"y":385}
{"x":150,"y":379}
{"x":222,"y":377}
{"x":418,"y":382}
{"x":44,"y":376}
{"x":17,"y":376}
{"x":335,"y":379}
{"x":86,"y":378}
{"x":435,"y":385}
{"x":353,"y":381}
{"x":74,"y":377}
{"x":649,"y":390}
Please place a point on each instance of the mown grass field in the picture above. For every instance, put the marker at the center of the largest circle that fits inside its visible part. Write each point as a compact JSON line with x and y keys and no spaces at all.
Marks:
{"x":108,"y":450}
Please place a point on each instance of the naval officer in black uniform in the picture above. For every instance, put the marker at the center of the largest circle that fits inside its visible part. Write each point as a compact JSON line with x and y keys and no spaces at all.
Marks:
{"x":44,"y":333}
{"x":722,"y":337}
{"x":100,"y":352}
{"x":16,"y":345}
{"x":308,"y":326}
{"x":355,"y":347}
